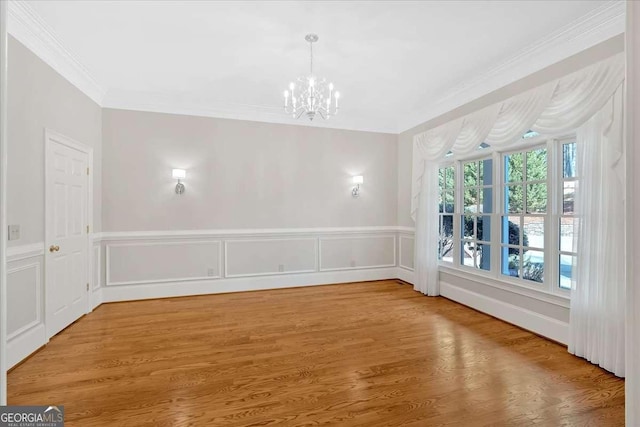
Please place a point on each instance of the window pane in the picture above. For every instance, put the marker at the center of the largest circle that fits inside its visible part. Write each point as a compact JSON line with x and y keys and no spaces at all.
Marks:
{"x":536,"y":198}
{"x":486,"y":172}
{"x":510,"y":230}
{"x":568,"y":226}
{"x":537,"y":165}
{"x":471,"y":174}
{"x":569,"y":160}
{"x":446,"y":238}
{"x":483,"y":256}
{"x":533,"y":266}
{"x":449,"y":202}
{"x":449,"y":177}
{"x":467,"y":253}
{"x":510,"y":262}
{"x":441,"y":179}
{"x":471,"y":200}
{"x":514,"y":167}
{"x":514,"y":198}
{"x":484,"y":228}
{"x":568,"y":197}
{"x":533,"y":231}
{"x":485,"y":200}
{"x":567,"y":263}
{"x":468,"y":227}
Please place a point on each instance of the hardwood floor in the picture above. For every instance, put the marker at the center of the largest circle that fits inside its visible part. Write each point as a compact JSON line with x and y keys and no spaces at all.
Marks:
{"x":366,"y":354}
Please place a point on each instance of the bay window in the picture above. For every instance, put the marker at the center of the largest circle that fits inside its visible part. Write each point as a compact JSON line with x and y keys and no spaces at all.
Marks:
{"x":509,"y":215}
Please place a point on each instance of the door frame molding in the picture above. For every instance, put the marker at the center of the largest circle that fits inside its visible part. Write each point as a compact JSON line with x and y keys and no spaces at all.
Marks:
{"x":51,"y":135}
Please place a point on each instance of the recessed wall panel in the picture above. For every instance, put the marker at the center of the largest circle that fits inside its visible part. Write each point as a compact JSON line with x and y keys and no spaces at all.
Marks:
{"x":406,"y":252}
{"x":24,"y":297}
{"x":345,"y":253}
{"x":270,"y":256}
{"x":162,"y":262}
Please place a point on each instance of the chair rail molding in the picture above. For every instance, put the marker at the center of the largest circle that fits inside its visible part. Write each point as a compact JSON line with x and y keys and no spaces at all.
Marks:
{"x":242,"y":232}
{"x":16,"y":253}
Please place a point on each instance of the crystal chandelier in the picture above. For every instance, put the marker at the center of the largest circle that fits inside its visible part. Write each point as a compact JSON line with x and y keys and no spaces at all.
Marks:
{"x":311,"y":95}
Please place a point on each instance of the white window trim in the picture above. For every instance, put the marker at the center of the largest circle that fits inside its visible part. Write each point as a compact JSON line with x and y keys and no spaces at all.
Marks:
{"x":550,"y":290}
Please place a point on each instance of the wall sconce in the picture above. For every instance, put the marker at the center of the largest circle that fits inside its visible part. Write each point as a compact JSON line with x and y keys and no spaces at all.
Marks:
{"x":179,"y":174}
{"x":357,"y":180}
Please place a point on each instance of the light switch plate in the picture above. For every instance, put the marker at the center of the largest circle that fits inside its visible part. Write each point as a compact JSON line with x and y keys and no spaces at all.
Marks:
{"x":14,"y":232}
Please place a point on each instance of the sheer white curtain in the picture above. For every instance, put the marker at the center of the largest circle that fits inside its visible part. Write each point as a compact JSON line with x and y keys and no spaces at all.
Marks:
{"x":558,"y":106}
{"x":598,"y":293}
{"x":428,"y":148}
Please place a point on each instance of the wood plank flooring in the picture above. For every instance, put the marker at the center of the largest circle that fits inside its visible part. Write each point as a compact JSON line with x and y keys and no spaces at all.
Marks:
{"x":363,"y":354}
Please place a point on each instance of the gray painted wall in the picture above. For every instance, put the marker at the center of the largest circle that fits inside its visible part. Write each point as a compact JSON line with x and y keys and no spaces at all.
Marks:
{"x":40,"y":98}
{"x":242,"y":174}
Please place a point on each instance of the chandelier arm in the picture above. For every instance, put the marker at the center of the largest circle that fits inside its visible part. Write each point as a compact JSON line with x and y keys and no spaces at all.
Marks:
{"x":315,"y":94}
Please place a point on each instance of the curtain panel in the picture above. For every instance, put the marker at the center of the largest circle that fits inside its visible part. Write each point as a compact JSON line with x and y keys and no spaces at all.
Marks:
{"x":597,"y":328}
{"x":590,"y":101}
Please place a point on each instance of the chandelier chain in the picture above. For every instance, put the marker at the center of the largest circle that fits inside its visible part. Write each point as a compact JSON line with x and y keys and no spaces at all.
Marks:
{"x":311,"y":57}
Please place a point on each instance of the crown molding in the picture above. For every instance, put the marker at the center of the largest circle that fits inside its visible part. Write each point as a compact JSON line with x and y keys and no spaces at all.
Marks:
{"x":595,"y":27}
{"x":31,"y":30}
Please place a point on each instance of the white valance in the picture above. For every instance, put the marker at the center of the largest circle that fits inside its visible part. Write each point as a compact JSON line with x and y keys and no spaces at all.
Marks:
{"x":556,"y":107}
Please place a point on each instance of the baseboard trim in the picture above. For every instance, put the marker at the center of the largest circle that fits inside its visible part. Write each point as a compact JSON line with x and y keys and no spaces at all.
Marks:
{"x":96,"y":298}
{"x":406,"y":275}
{"x":218,"y":286}
{"x":540,"y":324}
{"x":21,"y":346}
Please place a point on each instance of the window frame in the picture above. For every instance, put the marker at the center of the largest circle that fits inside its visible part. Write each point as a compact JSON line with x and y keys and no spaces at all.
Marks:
{"x":460,"y":185}
{"x":444,"y":166}
{"x":494,"y":277}
{"x":560,"y":204}
{"x":546,"y":215}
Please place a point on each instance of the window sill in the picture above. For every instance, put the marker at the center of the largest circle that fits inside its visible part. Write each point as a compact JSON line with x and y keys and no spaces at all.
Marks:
{"x":539,"y":294}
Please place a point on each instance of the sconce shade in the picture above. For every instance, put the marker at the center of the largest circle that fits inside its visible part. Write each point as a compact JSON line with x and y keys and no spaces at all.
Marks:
{"x":178,"y":173}
{"x":358,"y":179}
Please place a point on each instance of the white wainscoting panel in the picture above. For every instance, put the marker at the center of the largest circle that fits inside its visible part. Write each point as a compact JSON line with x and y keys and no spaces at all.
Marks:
{"x":96,"y":268}
{"x":25,"y":296}
{"x":24,"y":293}
{"x":406,"y":257}
{"x":352,"y":252}
{"x":162,"y":261}
{"x":259,"y":257}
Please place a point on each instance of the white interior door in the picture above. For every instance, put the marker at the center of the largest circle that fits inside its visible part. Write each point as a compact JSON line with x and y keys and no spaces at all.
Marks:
{"x":66,"y":216}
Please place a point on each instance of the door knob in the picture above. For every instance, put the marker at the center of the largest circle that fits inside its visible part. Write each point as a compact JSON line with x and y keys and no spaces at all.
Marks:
{"x":53,"y":248}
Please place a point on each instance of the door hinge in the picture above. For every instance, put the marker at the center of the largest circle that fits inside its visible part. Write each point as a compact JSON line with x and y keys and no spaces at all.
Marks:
{"x":87,"y":171}
{"x":87,"y":286}
{"x":87,"y":229}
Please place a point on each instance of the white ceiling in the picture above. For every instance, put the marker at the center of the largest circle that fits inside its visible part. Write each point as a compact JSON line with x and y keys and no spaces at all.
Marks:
{"x":394,"y":62}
